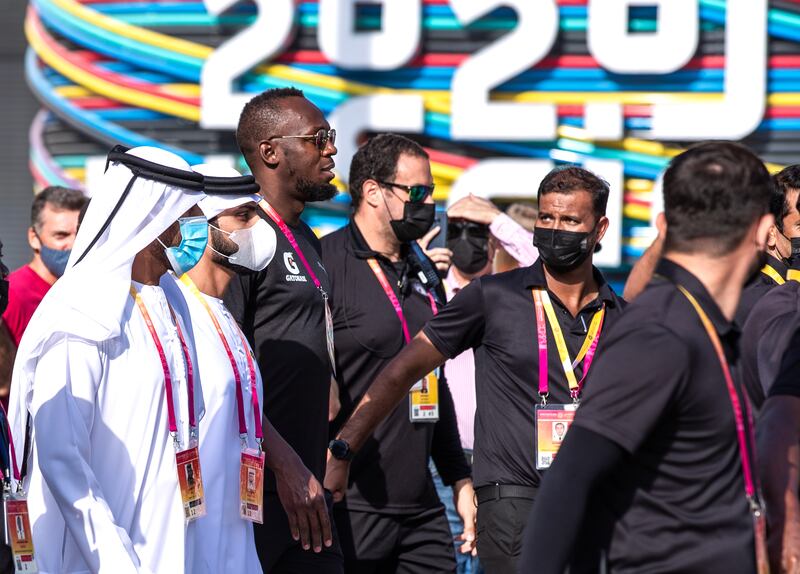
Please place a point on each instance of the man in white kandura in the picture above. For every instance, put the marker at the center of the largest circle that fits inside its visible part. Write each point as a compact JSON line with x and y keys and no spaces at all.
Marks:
{"x":104,"y":373}
{"x":239,"y":242}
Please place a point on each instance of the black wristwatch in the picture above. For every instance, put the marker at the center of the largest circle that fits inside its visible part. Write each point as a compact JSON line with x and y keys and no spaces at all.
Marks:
{"x":340,"y":449}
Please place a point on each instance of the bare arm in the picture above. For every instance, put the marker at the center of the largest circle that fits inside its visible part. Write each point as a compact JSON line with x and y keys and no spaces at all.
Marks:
{"x":8,"y":352}
{"x":779,"y":462}
{"x":419,"y":358}
{"x":643,"y":270}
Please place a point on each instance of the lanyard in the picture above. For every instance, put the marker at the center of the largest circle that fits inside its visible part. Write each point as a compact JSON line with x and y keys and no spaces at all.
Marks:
{"x":11,"y":449}
{"x":173,"y":427}
{"x":293,"y":242}
{"x":739,"y":414}
{"x":287,"y":233}
{"x":381,"y":276}
{"x":773,"y":274}
{"x":544,"y":307}
{"x":186,"y":280}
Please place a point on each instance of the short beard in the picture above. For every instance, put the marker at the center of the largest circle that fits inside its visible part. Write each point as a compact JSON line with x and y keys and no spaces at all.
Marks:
{"x":312,"y":192}
{"x":220,"y":243}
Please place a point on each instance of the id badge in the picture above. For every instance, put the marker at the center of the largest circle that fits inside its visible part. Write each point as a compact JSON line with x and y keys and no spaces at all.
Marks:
{"x":424,"y":399}
{"x":191,"y":482}
{"x":251,"y":486}
{"x":18,"y":533}
{"x":329,"y":335}
{"x":552,"y":423}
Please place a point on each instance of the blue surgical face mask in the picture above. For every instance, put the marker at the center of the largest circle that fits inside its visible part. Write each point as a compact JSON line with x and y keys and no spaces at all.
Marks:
{"x":54,"y":259}
{"x":194,"y":237}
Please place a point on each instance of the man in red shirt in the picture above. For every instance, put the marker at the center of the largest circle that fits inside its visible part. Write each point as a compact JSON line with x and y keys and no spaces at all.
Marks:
{"x":54,"y":224}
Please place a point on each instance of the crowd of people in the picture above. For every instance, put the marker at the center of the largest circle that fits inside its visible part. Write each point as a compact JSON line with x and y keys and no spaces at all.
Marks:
{"x":194,"y":382}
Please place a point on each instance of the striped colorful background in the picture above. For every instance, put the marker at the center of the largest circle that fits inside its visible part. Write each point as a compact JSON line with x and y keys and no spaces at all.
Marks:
{"x":112,"y":71}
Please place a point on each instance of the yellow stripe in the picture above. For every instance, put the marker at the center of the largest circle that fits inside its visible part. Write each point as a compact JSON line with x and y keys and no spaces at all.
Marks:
{"x":561,"y":345}
{"x":773,"y":274}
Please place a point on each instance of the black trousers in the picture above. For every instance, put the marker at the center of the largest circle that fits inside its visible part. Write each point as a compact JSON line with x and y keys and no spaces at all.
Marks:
{"x":501,"y":523}
{"x":280,"y":554}
{"x":375,"y":543}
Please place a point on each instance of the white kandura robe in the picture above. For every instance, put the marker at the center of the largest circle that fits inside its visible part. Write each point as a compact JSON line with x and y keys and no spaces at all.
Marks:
{"x":103,"y":491}
{"x":224,"y":541}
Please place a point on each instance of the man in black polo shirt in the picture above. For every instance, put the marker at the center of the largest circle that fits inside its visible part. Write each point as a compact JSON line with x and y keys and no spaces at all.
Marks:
{"x":391,"y":519}
{"x":775,"y":294}
{"x":651,"y":474}
{"x":288,"y":145}
{"x":497,"y":317}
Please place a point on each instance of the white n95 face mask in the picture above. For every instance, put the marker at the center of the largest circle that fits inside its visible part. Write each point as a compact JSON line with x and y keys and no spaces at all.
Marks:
{"x":256,"y":245}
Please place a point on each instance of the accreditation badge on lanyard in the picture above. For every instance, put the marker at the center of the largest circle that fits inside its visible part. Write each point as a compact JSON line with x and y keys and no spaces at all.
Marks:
{"x":423,"y":398}
{"x":190,"y":477}
{"x":251,"y":466}
{"x":18,"y":534}
{"x":287,"y":233}
{"x":552,"y":420}
{"x":751,"y":488}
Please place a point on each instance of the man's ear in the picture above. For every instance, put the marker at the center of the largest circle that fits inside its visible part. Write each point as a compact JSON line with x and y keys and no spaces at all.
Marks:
{"x":33,"y":240}
{"x":764,"y":227}
{"x":602,"y":227}
{"x":268,"y":153}
{"x":772,"y":237}
{"x":371,"y":193}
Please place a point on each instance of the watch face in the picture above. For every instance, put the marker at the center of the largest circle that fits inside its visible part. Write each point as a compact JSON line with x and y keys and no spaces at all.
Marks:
{"x":338,"y":448}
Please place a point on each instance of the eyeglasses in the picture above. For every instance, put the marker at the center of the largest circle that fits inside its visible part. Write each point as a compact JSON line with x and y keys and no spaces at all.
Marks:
{"x":467,"y":229}
{"x":321,"y":138}
{"x":416,"y":193}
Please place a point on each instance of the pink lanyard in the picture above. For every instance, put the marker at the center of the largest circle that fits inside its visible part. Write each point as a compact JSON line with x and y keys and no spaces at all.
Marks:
{"x":586,"y":354}
{"x":186,"y":280}
{"x":173,"y":427}
{"x":293,"y":242}
{"x":750,"y":486}
{"x":381,"y":276}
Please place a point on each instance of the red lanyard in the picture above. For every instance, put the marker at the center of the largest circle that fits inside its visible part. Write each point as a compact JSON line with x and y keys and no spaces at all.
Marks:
{"x":186,"y":280}
{"x":11,"y":448}
{"x":381,"y":276}
{"x":173,"y":427}
{"x":293,"y":242}
{"x":743,"y":436}
{"x":545,"y":311}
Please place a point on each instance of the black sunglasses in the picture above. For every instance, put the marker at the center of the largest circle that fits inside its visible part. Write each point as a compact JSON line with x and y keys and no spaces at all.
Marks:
{"x":466,"y":229}
{"x":321,"y":138}
{"x":416,"y":193}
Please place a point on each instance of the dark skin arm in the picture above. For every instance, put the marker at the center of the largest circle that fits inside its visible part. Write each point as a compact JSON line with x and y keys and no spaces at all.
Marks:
{"x":7,"y":354}
{"x":300,"y":493}
{"x":387,"y":390}
{"x":779,"y":471}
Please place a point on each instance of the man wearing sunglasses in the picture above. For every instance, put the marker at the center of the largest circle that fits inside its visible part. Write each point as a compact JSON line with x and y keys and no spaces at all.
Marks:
{"x":391,"y":519}
{"x":289,"y":147}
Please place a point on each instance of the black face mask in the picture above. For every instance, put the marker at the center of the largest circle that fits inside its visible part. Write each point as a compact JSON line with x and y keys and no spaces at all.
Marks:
{"x":562,"y":250}
{"x":794,"y":258}
{"x":469,"y":243}
{"x":417,"y":220}
{"x":3,"y":295}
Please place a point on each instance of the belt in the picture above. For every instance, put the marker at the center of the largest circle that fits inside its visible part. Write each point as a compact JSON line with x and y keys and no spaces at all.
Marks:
{"x":498,"y":491}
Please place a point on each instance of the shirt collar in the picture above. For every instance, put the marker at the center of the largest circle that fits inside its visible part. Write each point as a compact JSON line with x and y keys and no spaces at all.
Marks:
{"x":778,"y":265}
{"x":678,"y":275}
{"x":535,"y":277}
{"x":358,"y":245}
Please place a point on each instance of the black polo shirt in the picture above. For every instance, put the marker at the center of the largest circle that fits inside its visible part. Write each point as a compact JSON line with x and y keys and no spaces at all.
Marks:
{"x":759,"y":286}
{"x":390,"y":472}
{"x":787,"y":381}
{"x":283,"y":316}
{"x":766,"y":337}
{"x":677,"y":501}
{"x":495,"y":315}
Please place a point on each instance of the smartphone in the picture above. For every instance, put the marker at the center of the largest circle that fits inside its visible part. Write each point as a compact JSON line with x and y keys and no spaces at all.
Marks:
{"x":440,"y":221}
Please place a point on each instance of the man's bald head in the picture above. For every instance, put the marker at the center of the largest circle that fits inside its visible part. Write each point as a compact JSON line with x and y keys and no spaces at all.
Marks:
{"x":261,"y":118}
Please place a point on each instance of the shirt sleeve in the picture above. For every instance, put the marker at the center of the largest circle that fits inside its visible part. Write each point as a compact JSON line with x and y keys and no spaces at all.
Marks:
{"x":787,"y":382}
{"x":63,"y":409}
{"x":635,"y":379}
{"x":446,"y":450}
{"x":515,"y":239}
{"x":460,"y":325}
